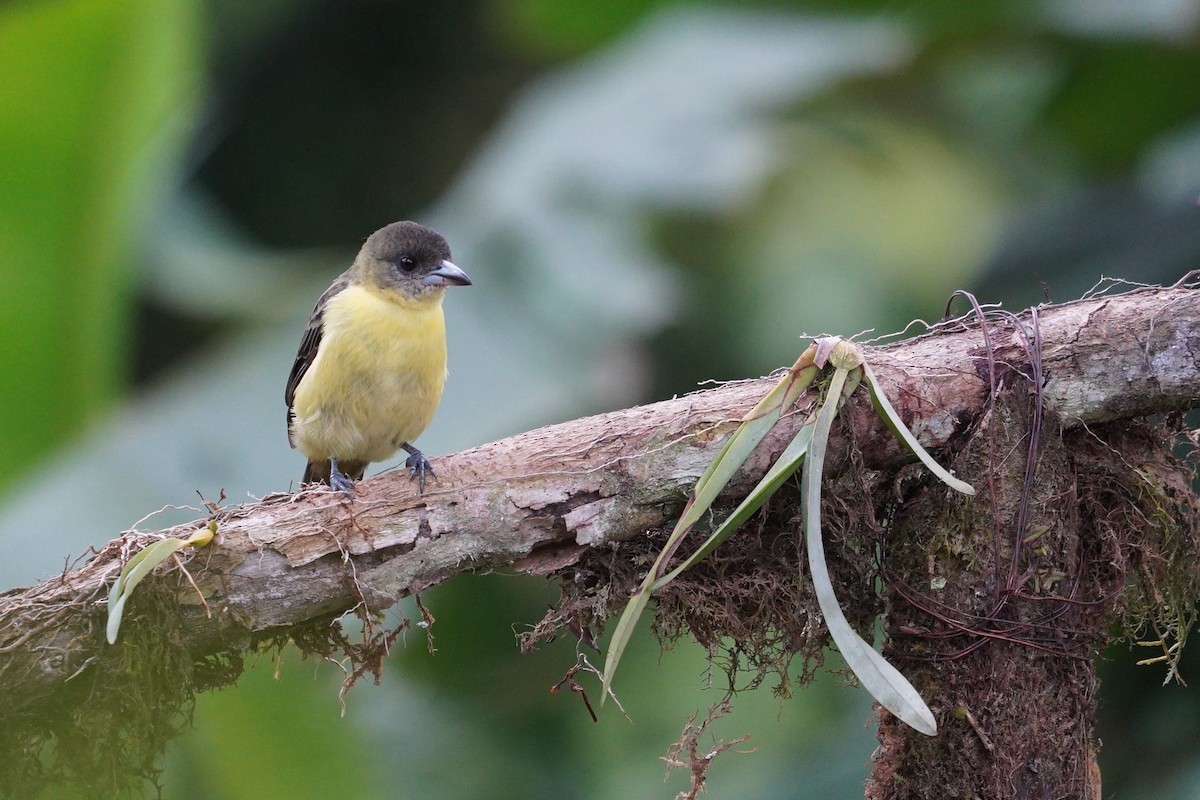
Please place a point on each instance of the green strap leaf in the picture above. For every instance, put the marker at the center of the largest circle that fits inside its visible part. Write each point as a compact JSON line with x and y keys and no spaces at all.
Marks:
{"x":881,"y":679}
{"x":140,"y":565}
{"x":789,"y":461}
{"x":892,"y":419}
{"x":754,"y":426}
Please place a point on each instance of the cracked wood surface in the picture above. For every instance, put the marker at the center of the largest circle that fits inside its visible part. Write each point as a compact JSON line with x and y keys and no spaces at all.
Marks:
{"x":538,"y":500}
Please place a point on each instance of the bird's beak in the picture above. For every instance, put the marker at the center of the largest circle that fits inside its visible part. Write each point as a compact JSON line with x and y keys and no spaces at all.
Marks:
{"x":446,"y":275}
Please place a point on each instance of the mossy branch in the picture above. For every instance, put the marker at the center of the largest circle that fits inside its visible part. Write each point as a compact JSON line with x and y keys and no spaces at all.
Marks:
{"x":539,"y":500}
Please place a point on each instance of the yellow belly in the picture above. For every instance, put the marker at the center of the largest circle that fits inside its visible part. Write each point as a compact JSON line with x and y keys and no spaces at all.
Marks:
{"x":376,"y":380}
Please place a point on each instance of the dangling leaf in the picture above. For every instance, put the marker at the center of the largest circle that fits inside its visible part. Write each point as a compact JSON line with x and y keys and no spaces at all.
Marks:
{"x":754,"y":426}
{"x":741,"y":444}
{"x":892,"y":419}
{"x":807,"y":447}
{"x":139,"y":566}
{"x":881,"y":679}
{"x":789,"y":461}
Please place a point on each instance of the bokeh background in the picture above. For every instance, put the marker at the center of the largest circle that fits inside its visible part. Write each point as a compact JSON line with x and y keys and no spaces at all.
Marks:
{"x":648,"y":194}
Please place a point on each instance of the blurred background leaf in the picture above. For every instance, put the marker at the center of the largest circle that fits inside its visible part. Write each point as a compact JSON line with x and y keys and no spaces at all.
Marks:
{"x":647,"y":195}
{"x":96,"y":98}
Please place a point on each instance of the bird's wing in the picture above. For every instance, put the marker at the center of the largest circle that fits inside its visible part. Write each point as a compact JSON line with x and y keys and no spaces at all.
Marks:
{"x":309,"y":344}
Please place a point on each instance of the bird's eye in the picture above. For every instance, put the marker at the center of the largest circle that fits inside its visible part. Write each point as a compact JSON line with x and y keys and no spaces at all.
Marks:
{"x":407,"y":264}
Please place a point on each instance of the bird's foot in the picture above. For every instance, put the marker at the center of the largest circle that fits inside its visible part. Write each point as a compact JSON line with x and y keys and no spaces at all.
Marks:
{"x":338,"y":480}
{"x":418,"y":465}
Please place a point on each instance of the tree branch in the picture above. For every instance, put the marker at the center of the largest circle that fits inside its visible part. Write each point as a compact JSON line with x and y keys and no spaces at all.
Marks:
{"x":537,"y":501}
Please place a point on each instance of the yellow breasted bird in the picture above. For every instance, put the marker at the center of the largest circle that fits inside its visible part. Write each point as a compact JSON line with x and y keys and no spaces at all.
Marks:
{"x":372,"y":362}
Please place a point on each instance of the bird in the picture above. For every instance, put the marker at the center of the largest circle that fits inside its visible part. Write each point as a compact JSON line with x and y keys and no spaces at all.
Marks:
{"x":372,"y":361}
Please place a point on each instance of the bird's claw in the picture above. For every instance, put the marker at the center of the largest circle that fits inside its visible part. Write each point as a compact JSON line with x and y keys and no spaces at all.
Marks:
{"x":418,"y":466}
{"x":338,"y":480}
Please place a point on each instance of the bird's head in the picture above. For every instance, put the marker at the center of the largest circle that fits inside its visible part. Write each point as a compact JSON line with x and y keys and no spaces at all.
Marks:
{"x":408,"y":260}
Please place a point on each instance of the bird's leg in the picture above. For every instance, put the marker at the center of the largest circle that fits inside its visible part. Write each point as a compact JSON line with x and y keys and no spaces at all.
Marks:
{"x":417,"y":465}
{"x":338,"y":480}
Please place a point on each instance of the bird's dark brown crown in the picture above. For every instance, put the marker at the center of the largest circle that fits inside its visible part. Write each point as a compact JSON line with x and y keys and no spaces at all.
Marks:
{"x":407,"y":240}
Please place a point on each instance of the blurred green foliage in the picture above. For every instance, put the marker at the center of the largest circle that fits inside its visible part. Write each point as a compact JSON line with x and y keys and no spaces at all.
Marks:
{"x":1008,"y":146}
{"x":97,"y":99}
{"x":555,"y":28}
{"x":1120,"y":96}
